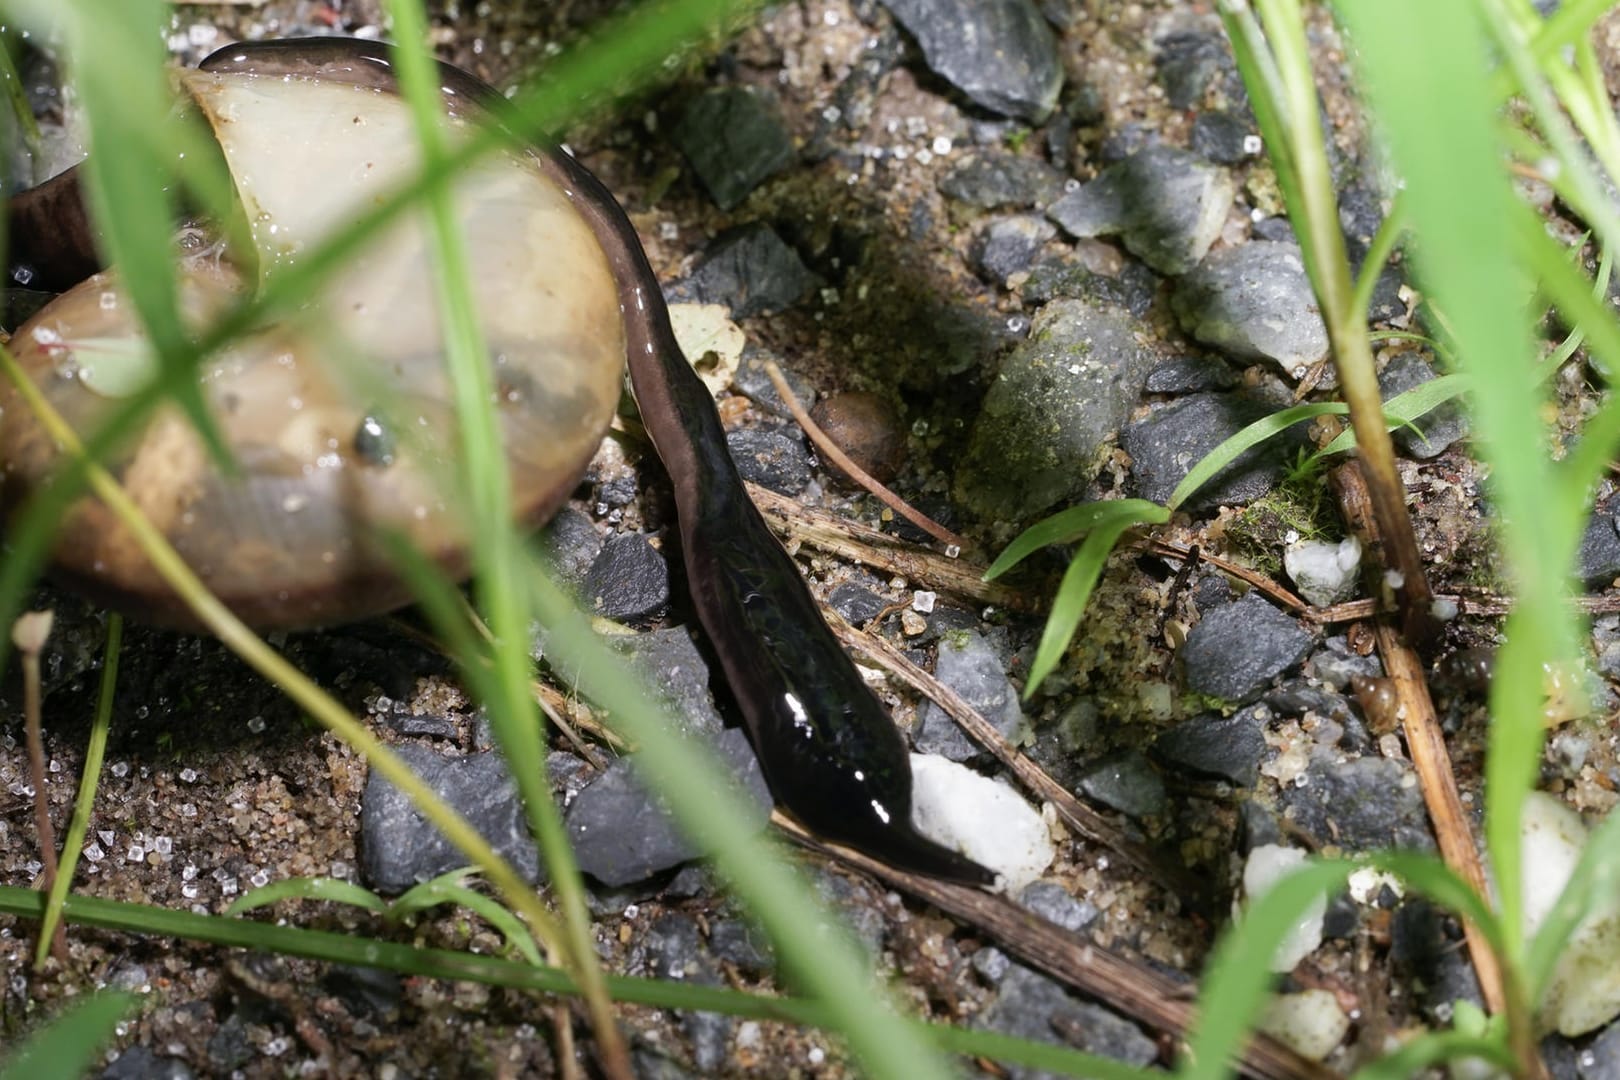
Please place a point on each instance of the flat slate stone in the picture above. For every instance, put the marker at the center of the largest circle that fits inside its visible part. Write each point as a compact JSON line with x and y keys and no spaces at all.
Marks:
{"x":1364,"y":804}
{"x":1166,"y":444}
{"x":628,"y":580}
{"x":1237,"y":649}
{"x":1000,"y":53}
{"x":968,"y":665}
{"x":995,"y":179}
{"x":1438,"y":428}
{"x":1168,"y":206}
{"x":1007,"y":245}
{"x":399,"y":848}
{"x":1254,"y":300}
{"x":1059,"y":395}
{"x":770,"y":459}
{"x":735,"y":139}
{"x":1228,"y":747}
{"x":750,"y":269}
{"x":1032,"y":1006}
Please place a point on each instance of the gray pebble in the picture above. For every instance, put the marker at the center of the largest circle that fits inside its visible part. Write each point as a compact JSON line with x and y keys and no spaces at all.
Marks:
{"x":735,"y":139}
{"x":1132,"y":289}
{"x":1054,"y":903}
{"x":1190,"y":374}
{"x":140,"y":1063}
{"x":968,"y":665}
{"x":1229,"y":747}
{"x":1440,"y":427}
{"x":1059,"y":395}
{"x":1254,"y":301}
{"x":857,"y":605}
{"x":1223,"y":137}
{"x":628,"y":580}
{"x":750,"y":269}
{"x":1166,"y":444}
{"x":993,"y":179}
{"x":1127,"y":782}
{"x":1360,"y":805}
{"x":1000,"y":53}
{"x":1601,"y":1059}
{"x":1032,"y":1006}
{"x":399,"y":848}
{"x":1167,"y":205}
{"x":570,"y":544}
{"x":622,"y":833}
{"x":1007,"y":245}
{"x":770,"y":459}
{"x":1188,"y":62}
{"x":1237,"y":649}
{"x":1598,"y":562}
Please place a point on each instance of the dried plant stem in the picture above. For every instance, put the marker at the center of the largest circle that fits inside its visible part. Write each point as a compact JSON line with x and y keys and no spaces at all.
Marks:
{"x":834,"y":453}
{"x":29,"y":634}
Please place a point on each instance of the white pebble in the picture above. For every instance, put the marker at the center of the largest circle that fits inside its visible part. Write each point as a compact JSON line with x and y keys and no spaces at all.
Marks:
{"x":982,"y":818}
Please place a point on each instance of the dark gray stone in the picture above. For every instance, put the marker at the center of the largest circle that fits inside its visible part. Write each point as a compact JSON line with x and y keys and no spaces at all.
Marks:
{"x":570,"y":543}
{"x":750,"y":270}
{"x":1228,"y":747}
{"x":628,"y":580}
{"x":1054,"y":903}
{"x":622,"y":833}
{"x":753,"y":380}
{"x":1222,"y":137}
{"x":1167,"y":443}
{"x":1276,"y":228}
{"x":734,"y":138}
{"x":1000,"y":53}
{"x":670,"y":664}
{"x":1438,"y":428}
{"x":1127,"y":782}
{"x":1598,"y":562}
{"x":1031,"y":1006}
{"x":140,"y":1063}
{"x":1167,"y":205}
{"x":399,"y":847}
{"x":1601,"y":1059}
{"x":1059,"y":395}
{"x":1190,"y":374}
{"x":1132,"y":289}
{"x":739,"y":944}
{"x":1360,"y":805}
{"x":1188,"y":62}
{"x":1237,"y":649}
{"x":968,"y":665}
{"x":770,"y":459}
{"x":365,"y":991}
{"x":857,"y":605}
{"x":1335,"y":663}
{"x":673,"y":951}
{"x":1254,"y":301}
{"x":993,"y":179}
{"x":1006,"y":246}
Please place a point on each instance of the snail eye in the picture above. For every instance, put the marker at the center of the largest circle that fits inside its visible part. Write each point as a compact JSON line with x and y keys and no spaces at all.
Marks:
{"x":338,"y":416}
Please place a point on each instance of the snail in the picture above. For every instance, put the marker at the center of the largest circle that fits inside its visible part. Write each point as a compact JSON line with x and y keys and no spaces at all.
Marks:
{"x":575,"y":300}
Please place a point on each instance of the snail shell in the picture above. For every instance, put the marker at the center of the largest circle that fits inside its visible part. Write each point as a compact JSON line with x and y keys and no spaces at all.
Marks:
{"x":338,"y":416}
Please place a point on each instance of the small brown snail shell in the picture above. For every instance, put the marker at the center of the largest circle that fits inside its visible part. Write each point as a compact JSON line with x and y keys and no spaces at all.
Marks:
{"x":338,"y":418}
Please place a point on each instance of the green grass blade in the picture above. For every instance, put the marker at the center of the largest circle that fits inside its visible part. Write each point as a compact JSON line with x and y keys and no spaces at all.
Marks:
{"x":1416,"y":1056}
{"x":1252,"y":435}
{"x":1075,"y":590}
{"x":67,"y":1048}
{"x":439,"y":891}
{"x":1434,"y":879}
{"x":95,"y":752}
{"x":1069,"y":525}
{"x":1439,"y":121}
{"x":332,"y":890}
{"x":1405,"y":409}
{"x":1238,"y":978}
{"x":330,"y":947}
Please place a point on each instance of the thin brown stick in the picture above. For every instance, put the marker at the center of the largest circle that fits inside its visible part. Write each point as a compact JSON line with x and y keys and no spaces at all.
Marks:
{"x":1138,"y":991}
{"x":834,"y":453}
{"x":1426,"y":745}
{"x":859,"y":543}
{"x":1082,"y":818}
{"x":29,"y":633}
{"x":1254,"y":578}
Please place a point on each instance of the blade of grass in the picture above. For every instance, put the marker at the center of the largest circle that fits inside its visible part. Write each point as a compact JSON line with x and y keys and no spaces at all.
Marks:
{"x":325,"y":945}
{"x":1417,"y":1056}
{"x":95,"y":753}
{"x":1405,"y":409}
{"x":1230,"y":449}
{"x":1438,"y":119}
{"x":1074,"y":592}
{"x":332,"y":890}
{"x":438,"y":892}
{"x":1069,"y":525}
{"x":68,"y":1046}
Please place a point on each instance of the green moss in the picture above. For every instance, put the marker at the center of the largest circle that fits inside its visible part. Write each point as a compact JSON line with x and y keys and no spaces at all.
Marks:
{"x":1299,"y":508}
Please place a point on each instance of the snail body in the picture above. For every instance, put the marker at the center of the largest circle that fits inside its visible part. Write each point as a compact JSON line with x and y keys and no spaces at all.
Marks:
{"x":571,"y":297}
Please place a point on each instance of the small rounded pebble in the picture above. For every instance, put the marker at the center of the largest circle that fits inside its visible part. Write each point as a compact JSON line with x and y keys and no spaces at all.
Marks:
{"x":867,"y":429}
